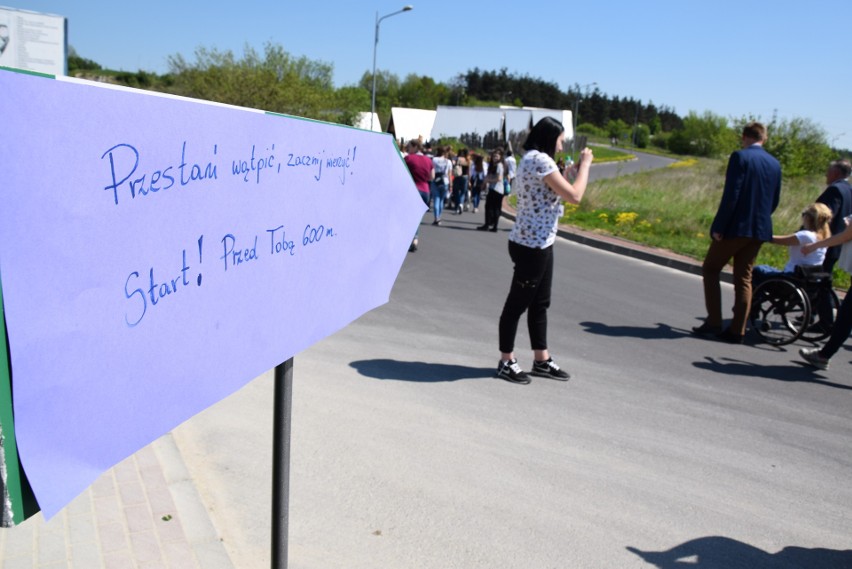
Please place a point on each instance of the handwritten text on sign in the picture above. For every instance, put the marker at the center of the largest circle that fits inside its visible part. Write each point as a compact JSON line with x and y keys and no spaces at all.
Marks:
{"x":154,"y":289}
{"x":129,"y":182}
{"x":145,"y":290}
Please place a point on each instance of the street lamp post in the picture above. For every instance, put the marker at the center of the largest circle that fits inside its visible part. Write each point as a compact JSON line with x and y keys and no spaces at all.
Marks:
{"x":574,"y":119}
{"x":375,"y":46}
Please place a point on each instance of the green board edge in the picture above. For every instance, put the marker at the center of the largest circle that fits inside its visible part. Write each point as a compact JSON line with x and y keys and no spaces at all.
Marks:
{"x":18,"y":502}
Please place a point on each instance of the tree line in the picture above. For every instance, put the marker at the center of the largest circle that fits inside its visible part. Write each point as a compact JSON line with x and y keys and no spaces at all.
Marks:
{"x":276,"y":81}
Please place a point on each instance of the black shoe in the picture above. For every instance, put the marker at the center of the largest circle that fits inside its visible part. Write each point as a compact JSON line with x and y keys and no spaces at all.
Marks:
{"x":494,"y":230}
{"x":706,"y":330}
{"x":482,"y":228}
{"x":436,"y":222}
{"x":512,"y":372}
{"x":413,"y":247}
{"x":548,"y":368}
{"x":727,"y":336}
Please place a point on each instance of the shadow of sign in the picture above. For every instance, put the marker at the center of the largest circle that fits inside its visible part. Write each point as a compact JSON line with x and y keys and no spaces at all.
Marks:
{"x":423,"y":372}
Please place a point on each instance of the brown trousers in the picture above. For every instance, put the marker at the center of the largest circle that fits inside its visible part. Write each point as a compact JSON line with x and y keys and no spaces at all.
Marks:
{"x":744,"y":251}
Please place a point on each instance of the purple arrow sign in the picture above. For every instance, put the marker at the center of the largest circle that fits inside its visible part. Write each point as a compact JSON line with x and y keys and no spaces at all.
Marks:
{"x":157,"y":253}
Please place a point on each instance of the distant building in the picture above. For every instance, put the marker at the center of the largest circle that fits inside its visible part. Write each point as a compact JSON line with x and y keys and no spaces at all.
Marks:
{"x":411,"y":124}
{"x":474,"y":126}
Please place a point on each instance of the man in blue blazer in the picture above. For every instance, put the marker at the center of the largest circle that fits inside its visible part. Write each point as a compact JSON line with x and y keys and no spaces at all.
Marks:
{"x":838,"y":197}
{"x":743,"y":222}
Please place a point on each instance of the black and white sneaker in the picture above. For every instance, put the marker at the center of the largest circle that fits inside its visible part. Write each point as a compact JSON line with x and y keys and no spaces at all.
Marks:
{"x":548,"y":368}
{"x":512,"y":372}
{"x":813,"y":357}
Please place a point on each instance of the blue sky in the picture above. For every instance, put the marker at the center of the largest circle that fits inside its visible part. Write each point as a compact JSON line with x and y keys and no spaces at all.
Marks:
{"x":734,"y":58}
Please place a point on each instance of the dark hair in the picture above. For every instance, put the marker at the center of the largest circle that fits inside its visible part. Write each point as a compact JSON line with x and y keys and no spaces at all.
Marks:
{"x":478,"y":161}
{"x":543,"y":136}
{"x":843,"y":167}
{"x":492,"y":164}
{"x":755,"y":131}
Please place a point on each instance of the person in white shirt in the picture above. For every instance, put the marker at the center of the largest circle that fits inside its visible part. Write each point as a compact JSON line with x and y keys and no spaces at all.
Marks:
{"x":442,"y":167}
{"x":540,"y":188}
{"x":815,"y":227}
{"x":511,"y":166}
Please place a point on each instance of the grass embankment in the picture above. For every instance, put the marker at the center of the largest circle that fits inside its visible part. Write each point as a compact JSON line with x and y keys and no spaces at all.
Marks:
{"x":672,"y":208}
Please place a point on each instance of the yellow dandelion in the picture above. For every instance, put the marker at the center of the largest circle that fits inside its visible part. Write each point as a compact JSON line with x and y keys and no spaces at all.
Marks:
{"x":626,"y":218}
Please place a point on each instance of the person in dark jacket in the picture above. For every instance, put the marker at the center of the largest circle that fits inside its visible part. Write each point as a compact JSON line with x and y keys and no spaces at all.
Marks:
{"x":838,"y":197}
{"x":742,"y":224}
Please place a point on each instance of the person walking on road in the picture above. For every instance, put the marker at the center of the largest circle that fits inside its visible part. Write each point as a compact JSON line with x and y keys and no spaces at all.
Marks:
{"x":819,"y":357}
{"x":477,"y":180}
{"x":461,"y":172}
{"x":742,"y":223}
{"x":838,"y":197}
{"x":441,"y":167}
{"x":540,"y":188}
{"x":494,"y":197}
{"x":422,"y":173}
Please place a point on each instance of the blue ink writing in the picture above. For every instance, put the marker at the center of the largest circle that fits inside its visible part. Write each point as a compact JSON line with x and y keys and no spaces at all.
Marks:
{"x":237,"y":256}
{"x":314,"y":234}
{"x":278,"y":242}
{"x":305,"y":160}
{"x":255,"y":165}
{"x":124,"y":158}
{"x":342,"y":163}
{"x":200,"y":241}
{"x":156,"y":291}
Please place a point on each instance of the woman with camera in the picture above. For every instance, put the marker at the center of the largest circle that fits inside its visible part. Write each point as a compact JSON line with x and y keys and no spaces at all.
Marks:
{"x":540,"y":188}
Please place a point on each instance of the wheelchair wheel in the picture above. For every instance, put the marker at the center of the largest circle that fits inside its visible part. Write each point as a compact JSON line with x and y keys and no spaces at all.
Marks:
{"x":779,"y":310}
{"x":817,"y":329}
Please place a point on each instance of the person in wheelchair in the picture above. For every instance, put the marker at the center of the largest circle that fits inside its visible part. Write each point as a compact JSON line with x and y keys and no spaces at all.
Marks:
{"x":815,"y":227}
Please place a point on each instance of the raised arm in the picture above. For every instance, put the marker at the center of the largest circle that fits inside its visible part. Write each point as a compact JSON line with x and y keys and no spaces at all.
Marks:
{"x":572,"y":193}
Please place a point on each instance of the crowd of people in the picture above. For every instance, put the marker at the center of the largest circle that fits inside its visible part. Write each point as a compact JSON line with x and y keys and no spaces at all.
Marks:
{"x":456,"y":181}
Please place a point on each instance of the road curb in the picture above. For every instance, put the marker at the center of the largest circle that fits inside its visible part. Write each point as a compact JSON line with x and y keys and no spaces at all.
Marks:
{"x":630,"y":249}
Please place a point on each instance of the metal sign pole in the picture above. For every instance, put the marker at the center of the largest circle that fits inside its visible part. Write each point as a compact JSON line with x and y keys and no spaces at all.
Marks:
{"x":281,"y":462}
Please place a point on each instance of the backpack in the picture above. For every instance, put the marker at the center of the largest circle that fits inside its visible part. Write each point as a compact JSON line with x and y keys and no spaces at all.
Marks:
{"x":439,"y":175}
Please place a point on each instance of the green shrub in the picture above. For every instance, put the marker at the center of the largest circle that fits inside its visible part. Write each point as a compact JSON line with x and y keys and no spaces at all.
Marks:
{"x":590,"y":129}
{"x":661,"y":140}
{"x":641,"y":135}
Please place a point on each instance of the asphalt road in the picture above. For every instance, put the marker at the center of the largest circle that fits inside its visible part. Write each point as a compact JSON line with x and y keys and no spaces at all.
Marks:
{"x":407,"y":453}
{"x":643,"y":162}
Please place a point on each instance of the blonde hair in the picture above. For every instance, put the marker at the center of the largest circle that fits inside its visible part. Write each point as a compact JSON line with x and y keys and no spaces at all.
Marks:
{"x":817,"y":218}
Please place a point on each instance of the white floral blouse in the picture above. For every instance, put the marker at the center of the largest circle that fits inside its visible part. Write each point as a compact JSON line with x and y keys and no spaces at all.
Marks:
{"x":539,"y":207}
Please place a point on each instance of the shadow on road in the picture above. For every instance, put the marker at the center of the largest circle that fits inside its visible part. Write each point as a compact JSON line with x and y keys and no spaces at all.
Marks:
{"x":797,"y":372}
{"x":423,"y":372}
{"x":725,"y":553}
{"x":659,"y":332}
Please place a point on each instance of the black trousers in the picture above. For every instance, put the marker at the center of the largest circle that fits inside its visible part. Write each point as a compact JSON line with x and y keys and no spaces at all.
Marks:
{"x":493,"y":206}
{"x":530,"y":292}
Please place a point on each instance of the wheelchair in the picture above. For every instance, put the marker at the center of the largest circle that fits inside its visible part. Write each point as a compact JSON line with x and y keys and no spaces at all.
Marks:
{"x":787,"y":307}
